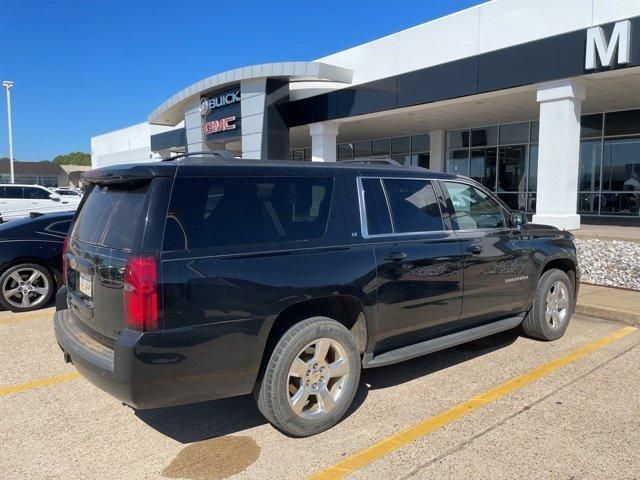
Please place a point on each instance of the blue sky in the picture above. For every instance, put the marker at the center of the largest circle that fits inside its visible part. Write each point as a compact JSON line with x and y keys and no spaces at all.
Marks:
{"x":85,"y":67}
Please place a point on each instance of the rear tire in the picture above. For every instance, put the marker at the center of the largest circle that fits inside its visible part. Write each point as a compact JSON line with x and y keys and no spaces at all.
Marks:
{"x":26,"y":287}
{"x":553,"y":305}
{"x":311,"y":377}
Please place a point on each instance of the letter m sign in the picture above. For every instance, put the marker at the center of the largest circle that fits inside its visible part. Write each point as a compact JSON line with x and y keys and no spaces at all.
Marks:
{"x":599,"y":49}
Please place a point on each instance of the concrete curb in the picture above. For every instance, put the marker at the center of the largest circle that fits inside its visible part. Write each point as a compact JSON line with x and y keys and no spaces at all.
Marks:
{"x":621,"y":316}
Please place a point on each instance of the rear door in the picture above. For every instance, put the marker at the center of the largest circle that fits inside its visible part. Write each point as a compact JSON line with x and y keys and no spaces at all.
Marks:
{"x":109,"y":229}
{"x":497,"y":261}
{"x":419,"y":261}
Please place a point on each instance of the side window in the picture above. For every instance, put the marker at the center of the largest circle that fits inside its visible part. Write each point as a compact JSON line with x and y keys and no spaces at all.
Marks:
{"x":35,"y":193}
{"x":414,"y":206}
{"x":473,"y":209}
{"x":13,"y":192}
{"x":375,"y":204}
{"x":60,"y":227}
{"x":3,"y":192}
{"x":222,"y":212}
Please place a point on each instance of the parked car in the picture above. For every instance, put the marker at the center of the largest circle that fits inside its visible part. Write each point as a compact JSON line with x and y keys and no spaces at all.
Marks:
{"x":31,"y":259}
{"x":20,"y":200}
{"x":201,"y":278}
{"x":68,"y":193}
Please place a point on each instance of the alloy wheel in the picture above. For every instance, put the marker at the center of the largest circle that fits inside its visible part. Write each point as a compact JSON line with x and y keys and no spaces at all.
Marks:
{"x":25,"y":288}
{"x":557,"y":304}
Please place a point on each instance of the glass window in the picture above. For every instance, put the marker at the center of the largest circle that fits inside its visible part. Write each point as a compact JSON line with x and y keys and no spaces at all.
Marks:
{"x":381,"y":147}
{"x":535,"y":131}
{"x":361,"y":149}
{"x":307,"y":154}
{"x":483,"y":167}
{"x":622,"y":123}
{"x":400,"y":145}
{"x":298,"y":155}
{"x":458,"y":139}
{"x":223,"y":212}
{"x":420,"y":143}
{"x":414,"y":207}
{"x":621,"y":166}
{"x":533,"y":168}
{"x":511,"y":169}
{"x":36,"y":193}
{"x":588,"y":203}
{"x":589,"y":169}
{"x":458,"y":162}
{"x":473,"y":209}
{"x":375,"y":204}
{"x":60,"y":227}
{"x":421,"y":159}
{"x":514,"y":133}
{"x":484,"y":137}
{"x":107,"y":215}
{"x":345,"y":151}
{"x":11,"y":192}
{"x":405,"y":159}
{"x":591,"y":126}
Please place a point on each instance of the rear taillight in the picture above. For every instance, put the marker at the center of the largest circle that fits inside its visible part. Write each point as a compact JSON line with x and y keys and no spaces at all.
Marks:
{"x":141,"y":293}
{"x":65,"y":261}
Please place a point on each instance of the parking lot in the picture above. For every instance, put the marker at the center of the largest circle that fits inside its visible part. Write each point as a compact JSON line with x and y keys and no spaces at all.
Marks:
{"x":505,"y":407}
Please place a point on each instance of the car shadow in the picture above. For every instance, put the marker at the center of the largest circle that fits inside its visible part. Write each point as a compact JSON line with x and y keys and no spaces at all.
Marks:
{"x":206,"y":420}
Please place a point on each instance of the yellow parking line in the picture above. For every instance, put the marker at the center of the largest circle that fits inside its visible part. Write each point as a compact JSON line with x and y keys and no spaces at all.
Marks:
{"x":43,"y":382}
{"x":35,"y":315}
{"x":398,"y":440}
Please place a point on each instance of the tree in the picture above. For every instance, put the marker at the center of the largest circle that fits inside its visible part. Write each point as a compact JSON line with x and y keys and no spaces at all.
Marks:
{"x":73,"y":158}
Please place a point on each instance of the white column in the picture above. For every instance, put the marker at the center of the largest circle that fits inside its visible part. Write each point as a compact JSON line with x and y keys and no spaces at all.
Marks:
{"x":437,"y":140}
{"x":323,"y":141}
{"x":559,"y":153}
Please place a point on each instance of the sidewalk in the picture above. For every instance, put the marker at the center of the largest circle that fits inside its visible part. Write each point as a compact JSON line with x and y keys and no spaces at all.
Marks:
{"x":609,"y":304}
{"x":608,"y":232}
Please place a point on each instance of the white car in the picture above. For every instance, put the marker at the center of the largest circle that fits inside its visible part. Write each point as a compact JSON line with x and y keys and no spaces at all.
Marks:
{"x":68,"y":194}
{"x":20,"y":200}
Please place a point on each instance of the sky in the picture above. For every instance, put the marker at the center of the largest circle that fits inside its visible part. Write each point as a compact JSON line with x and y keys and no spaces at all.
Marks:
{"x":86,"y":67}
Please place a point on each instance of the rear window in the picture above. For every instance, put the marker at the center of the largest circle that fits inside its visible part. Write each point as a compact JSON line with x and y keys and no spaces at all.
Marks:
{"x":230,"y":211}
{"x":110,"y":215}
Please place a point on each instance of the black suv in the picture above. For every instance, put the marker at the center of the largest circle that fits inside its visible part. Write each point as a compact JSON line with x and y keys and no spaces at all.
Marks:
{"x":204,"y":277}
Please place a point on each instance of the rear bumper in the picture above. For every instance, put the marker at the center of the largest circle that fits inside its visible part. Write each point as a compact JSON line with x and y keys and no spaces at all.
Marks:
{"x":159,"y":369}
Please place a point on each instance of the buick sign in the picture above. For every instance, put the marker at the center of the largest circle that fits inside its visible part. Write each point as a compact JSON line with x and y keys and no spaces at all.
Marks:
{"x":209,"y":104}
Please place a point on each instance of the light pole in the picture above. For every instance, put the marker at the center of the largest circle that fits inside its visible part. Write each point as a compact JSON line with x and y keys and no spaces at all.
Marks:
{"x":8,"y":84}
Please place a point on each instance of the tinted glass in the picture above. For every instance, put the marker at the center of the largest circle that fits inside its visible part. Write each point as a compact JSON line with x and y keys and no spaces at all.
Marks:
{"x":622,"y":123}
{"x":400,"y":145}
{"x":345,"y":151}
{"x":514,"y":133}
{"x":533,"y":168}
{"x":420,"y":143}
{"x":297,"y":155}
{"x":378,"y":220}
{"x":421,"y":159}
{"x":458,"y":162}
{"x":362,"y":149}
{"x":110,"y":214}
{"x":591,"y":126}
{"x":36,"y":193}
{"x":473,"y":209}
{"x":381,"y":147}
{"x":481,"y":137}
{"x":60,"y":227}
{"x":483,"y":166}
{"x":535,"y":131}
{"x":511,"y":170}
{"x":223,"y":212}
{"x":414,"y":207}
{"x":11,"y":192}
{"x":621,"y":166}
{"x":458,"y":138}
{"x":589,"y":169}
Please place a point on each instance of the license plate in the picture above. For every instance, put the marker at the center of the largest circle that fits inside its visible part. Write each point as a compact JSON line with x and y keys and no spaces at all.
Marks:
{"x":85,"y":284}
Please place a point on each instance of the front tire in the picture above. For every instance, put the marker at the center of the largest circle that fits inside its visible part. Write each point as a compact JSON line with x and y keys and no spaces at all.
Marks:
{"x":26,"y":287}
{"x":552,"y":308}
{"x":311,"y":377}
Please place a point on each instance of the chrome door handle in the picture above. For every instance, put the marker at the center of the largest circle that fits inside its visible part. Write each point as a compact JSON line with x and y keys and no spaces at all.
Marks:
{"x":396,"y":257}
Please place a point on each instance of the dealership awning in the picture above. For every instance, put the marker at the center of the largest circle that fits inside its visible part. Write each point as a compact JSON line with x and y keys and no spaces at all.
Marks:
{"x":171,"y":112}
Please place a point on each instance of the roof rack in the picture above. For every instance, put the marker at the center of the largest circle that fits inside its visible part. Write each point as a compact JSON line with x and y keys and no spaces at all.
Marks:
{"x":374,"y":161}
{"x":221,"y":154}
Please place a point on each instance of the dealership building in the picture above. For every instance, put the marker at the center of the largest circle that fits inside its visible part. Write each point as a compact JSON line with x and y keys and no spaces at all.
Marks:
{"x":537,"y":100}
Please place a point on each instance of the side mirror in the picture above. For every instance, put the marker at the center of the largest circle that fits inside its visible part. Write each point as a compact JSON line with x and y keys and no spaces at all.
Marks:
{"x":517,"y":218}
{"x":55,"y":197}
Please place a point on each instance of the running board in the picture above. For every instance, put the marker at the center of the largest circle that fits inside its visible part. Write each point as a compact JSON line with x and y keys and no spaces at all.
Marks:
{"x":440,"y":343}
